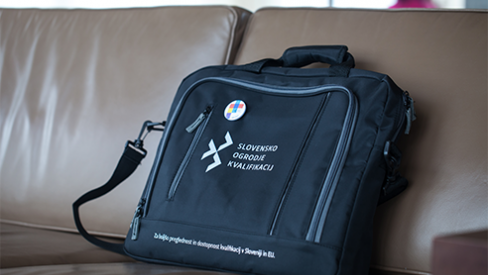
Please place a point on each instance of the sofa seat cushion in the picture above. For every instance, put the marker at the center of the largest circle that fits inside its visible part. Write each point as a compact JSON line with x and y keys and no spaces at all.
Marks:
{"x":106,"y":269}
{"x":27,"y":246}
{"x":28,"y":250}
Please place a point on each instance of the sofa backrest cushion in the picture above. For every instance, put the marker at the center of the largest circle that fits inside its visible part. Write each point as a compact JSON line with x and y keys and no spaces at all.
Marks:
{"x":440,"y":57}
{"x":77,"y":84}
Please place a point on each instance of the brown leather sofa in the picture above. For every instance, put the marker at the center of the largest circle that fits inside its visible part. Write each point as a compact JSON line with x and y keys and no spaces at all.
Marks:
{"x":76,"y":84}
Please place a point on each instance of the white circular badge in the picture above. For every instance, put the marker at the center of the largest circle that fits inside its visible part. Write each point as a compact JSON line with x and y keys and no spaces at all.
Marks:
{"x":235,"y":110}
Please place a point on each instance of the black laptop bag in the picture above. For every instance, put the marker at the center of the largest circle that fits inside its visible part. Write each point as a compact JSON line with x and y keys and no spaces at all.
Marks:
{"x":268,"y":168}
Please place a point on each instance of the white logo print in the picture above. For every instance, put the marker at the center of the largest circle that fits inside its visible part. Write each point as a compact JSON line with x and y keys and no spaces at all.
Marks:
{"x":213,"y":151}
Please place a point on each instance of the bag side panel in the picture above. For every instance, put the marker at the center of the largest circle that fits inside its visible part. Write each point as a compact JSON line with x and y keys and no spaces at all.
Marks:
{"x":358,"y":233}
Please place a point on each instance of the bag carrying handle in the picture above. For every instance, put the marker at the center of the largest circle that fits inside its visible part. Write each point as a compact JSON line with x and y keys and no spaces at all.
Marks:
{"x":302,"y":56}
{"x":337,"y":56}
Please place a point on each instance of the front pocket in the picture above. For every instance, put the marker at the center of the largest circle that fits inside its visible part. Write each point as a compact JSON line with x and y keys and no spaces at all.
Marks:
{"x":199,"y":125}
{"x":237,"y":175}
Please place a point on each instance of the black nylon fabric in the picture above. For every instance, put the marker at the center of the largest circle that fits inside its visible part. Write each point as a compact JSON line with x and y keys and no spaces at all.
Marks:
{"x":287,"y":184}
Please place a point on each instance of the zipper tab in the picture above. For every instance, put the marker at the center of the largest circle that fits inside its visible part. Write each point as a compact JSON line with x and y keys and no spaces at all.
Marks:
{"x":135,"y":225}
{"x":199,"y":120}
{"x":410,"y":113}
{"x":199,"y":125}
{"x":135,"y":229}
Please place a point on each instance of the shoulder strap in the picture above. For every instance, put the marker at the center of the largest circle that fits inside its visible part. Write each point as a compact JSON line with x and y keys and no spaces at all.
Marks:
{"x":133,"y":154}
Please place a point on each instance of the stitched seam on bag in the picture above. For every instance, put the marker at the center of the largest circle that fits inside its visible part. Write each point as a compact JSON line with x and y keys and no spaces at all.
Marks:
{"x":131,"y":159}
{"x":379,"y":78}
{"x":317,"y":197}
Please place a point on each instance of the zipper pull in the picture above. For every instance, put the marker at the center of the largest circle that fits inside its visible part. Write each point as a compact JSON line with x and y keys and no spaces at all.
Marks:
{"x":199,"y":120}
{"x":135,"y":225}
{"x":410,"y":113}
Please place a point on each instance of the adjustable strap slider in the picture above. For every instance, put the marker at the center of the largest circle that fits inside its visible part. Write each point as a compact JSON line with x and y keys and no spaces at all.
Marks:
{"x":137,"y":147}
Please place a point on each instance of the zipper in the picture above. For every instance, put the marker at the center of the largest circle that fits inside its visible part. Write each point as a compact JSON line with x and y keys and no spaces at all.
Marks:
{"x":328,"y":188}
{"x":259,"y":87}
{"x":135,"y":224}
{"x":298,"y":159}
{"x":197,"y":124}
{"x":320,"y":214}
{"x":406,"y":117}
{"x":199,"y":120}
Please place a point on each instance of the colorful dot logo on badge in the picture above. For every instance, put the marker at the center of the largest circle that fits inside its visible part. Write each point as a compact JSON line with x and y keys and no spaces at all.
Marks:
{"x":235,"y":110}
